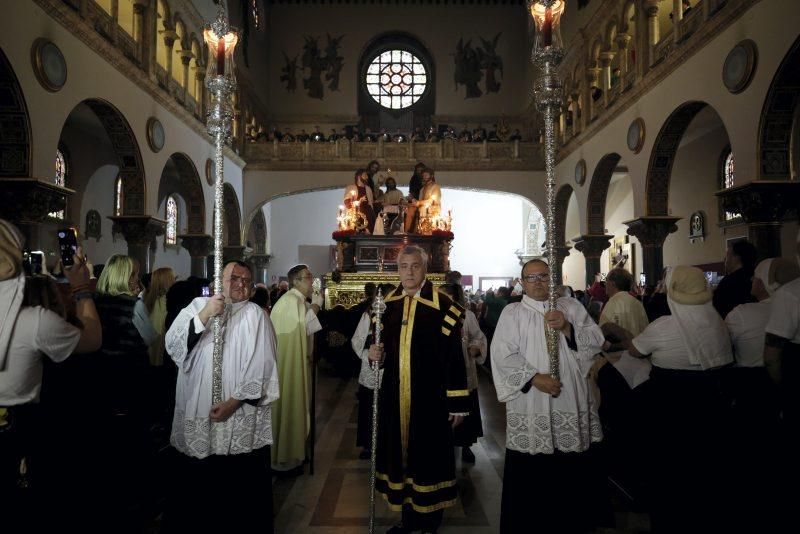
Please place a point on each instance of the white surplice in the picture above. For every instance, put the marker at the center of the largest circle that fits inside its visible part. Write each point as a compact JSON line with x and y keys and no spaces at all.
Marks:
{"x":249,"y":372}
{"x":537,"y":423}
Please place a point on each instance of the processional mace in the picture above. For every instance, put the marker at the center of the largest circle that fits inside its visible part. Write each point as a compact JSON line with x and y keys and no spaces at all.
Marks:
{"x":221,"y":83}
{"x":378,"y":308}
{"x":547,"y":55}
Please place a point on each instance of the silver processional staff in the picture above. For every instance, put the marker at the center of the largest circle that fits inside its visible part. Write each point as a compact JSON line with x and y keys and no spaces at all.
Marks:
{"x":378,"y":308}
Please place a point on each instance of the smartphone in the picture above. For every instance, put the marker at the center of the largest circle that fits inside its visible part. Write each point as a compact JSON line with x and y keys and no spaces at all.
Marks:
{"x":68,"y":245}
{"x":642,"y":279}
{"x":36,"y":260}
{"x":206,"y":291}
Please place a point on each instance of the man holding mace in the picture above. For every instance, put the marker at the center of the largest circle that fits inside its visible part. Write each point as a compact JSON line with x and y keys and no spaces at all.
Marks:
{"x":550,"y":422}
{"x":423,"y":394}
{"x":225,"y":446}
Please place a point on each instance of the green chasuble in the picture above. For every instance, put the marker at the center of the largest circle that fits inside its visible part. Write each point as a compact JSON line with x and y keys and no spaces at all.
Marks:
{"x":290,"y":413}
{"x":424,"y":380}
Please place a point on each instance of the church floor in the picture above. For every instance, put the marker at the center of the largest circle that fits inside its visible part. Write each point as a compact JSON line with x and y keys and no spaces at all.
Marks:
{"x":336,"y":498}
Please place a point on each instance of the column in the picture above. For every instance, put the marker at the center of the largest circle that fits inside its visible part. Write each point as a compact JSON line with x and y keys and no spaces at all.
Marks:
{"x":576,"y":113}
{"x":651,"y":233}
{"x":260,"y":262}
{"x":200,"y":81}
{"x":115,"y":18}
{"x":557,"y":264}
{"x":651,"y":10}
{"x":139,"y":7}
{"x":200,"y":246}
{"x":186,"y":57}
{"x":139,"y":231}
{"x":594,"y":81}
{"x":677,"y":17}
{"x":169,"y":37}
{"x":592,"y":247}
{"x":762,"y":205}
{"x":623,"y":42}
{"x":605,"y":63}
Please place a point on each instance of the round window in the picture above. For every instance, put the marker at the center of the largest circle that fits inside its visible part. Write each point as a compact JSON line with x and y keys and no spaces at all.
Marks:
{"x":396,"y":79}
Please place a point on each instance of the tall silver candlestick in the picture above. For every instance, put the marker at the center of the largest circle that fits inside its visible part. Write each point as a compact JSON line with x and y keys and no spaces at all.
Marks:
{"x":378,"y":308}
{"x":221,"y":83}
{"x":547,"y":55}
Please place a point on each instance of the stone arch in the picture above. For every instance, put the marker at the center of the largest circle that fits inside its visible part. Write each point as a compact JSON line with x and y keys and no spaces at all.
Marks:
{"x":258,"y":229}
{"x":180,"y":176}
{"x":778,"y":120}
{"x":126,"y":149}
{"x":662,"y":157}
{"x":233,"y":216}
{"x":610,"y":34}
{"x":15,"y":125}
{"x":562,"y":202}
{"x":598,"y":190}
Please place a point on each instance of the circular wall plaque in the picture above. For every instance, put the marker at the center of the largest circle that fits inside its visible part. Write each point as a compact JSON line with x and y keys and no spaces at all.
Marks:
{"x":49,"y":64}
{"x":210,"y":173}
{"x":155,"y":134}
{"x":580,"y":172}
{"x":636,"y":135}
{"x":740,"y":66}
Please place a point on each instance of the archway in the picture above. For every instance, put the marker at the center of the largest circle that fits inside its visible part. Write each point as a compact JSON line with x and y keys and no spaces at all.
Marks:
{"x":232,"y":224}
{"x":15,"y":126}
{"x":598,"y":192}
{"x":180,"y":176}
{"x":778,"y":120}
{"x":563,"y":196}
{"x":257,"y":233}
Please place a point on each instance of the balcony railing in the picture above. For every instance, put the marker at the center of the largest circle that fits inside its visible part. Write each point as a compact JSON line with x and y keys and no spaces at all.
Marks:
{"x":445,"y":154}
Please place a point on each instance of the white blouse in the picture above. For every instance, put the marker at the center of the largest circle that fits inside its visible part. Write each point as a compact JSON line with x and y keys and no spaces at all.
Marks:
{"x":366,"y":377}
{"x":536,"y":422}
{"x":249,"y":372}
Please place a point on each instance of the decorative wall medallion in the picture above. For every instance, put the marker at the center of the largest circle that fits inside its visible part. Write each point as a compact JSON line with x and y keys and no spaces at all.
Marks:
{"x":697,"y":227}
{"x":740,"y":66}
{"x":580,"y":172}
{"x":155,"y":134}
{"x":210,"y":172}
{"x":49,"y":64}
{"x":636,"y":135}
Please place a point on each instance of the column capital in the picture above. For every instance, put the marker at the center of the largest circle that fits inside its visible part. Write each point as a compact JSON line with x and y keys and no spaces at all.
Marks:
{"x":652,"y":231}
{"x":651,"y":8}
{"x":198,"y":245}
{"x":761,"y":201}
{"x":29,"y":200}
{"x":606,"y":57}
{"x":260,"y":261}
{"x":592,"y":246}
{"x":138,"y":229}
{"x":623,"y":39}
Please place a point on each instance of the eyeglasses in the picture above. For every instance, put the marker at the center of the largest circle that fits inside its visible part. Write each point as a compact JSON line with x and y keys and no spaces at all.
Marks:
{"x":239,"y":280}
{"x":307,"y":277}
{"x":536,"y":277}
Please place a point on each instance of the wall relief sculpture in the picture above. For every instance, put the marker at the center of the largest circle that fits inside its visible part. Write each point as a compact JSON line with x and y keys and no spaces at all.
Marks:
{"x":314,"y":64}
{"x":474,"y":64}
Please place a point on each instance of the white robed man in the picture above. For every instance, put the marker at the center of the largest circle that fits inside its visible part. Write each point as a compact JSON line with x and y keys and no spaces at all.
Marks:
{"x":550,"y":423}
{"x":295,"y":321}
{"x":225,"y":446}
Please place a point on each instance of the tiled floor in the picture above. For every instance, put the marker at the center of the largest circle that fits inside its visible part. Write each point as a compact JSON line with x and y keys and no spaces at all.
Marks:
{"x":336,"y":498}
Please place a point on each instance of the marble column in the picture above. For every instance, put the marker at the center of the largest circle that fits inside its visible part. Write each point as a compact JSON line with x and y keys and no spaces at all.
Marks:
{"x":576,"y":113}
{"x":140,"y":231}
{"x":260,"y":262}
{"x":200,"y":246}
{"x":606,"y":57}
{"x":592,"y":247}
{"x":653,"y":32}
{"x":186,"y":57}
{"x":762,"y":205}
{"x":623,"y":42}
{"x":139,"y":8}
{"x":651,"y":233}
{"x":169,"y":37}
{"x":558,"y":263}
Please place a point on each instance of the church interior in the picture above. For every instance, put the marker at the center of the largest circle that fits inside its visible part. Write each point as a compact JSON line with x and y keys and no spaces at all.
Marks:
{"x":675,"y":138}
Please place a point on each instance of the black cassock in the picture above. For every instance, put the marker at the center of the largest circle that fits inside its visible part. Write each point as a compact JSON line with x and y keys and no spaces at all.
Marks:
{"x":424,"y":381}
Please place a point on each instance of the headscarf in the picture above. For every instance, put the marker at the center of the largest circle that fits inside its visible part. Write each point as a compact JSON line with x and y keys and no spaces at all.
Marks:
{"x":12,"y":284}
{"x":774,"y":272}
{"x":700,"y":326}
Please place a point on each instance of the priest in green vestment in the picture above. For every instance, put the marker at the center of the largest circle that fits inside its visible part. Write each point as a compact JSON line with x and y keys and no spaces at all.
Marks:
{"x":423,"y":395}
{"x":294,"y":321}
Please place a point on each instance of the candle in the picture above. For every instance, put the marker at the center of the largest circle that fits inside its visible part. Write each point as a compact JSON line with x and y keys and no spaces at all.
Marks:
{"x":547,"y":28}
{"x":221,"y":56}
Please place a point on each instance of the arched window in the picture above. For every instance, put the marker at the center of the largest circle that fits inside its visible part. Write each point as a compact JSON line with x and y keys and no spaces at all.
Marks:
{"x":396,"y":79}
{"x":118,"y":197}
{"x":171,"y":237}
{"x":60,"y":178}
{"x":727,"y":177}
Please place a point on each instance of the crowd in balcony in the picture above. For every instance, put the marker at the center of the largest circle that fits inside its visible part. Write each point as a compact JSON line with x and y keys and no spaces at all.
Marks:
{"x":355,"y":134}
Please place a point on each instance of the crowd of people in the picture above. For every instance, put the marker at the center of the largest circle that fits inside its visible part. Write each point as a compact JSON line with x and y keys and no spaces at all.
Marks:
{"x":355,"y":134}
{"x":115,"y":409}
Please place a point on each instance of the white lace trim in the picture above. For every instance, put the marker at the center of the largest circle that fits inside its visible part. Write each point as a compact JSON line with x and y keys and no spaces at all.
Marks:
{"x":543,"y":433}
{"x":367,"y":376}
{"x":249,"y":428}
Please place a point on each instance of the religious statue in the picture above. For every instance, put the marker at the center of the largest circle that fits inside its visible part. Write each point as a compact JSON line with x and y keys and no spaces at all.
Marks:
{"x":334,"y":62}
{"x":315,"y":64}
{"x":289,"y":73}
{"x":490,"y":62}
{"x":468,"y":69}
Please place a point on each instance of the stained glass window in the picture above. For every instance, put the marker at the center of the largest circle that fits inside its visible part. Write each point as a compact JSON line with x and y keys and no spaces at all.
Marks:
{"x":396,"y":79}
{"x":254,"y":11}
{"x":60,"y":179}
{"x":728,"y":179}
{"x":118,"y":198}
{"x":172,"y":221}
